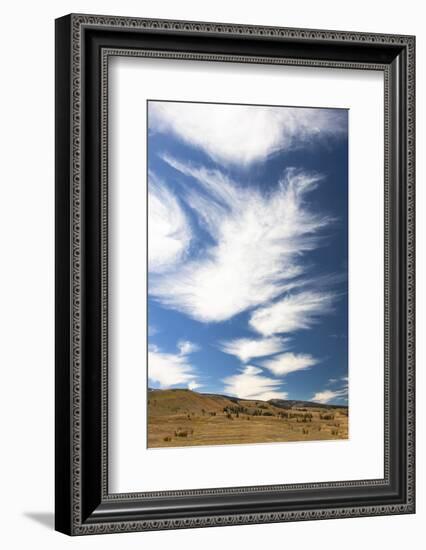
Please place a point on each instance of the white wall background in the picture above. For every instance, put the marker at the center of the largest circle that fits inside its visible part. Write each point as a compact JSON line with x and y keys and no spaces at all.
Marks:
{"x":27,"y":262}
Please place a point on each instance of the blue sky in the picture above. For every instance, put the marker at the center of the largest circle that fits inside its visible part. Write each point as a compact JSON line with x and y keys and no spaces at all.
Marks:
{"x":247,"y":250}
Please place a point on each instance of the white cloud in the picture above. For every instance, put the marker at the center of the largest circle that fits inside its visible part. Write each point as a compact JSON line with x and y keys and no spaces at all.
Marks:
{"x":171,"y":369}
{"x":285,"y":363}
{"x":242,"y":134}
{"x":193,"y":385}
{"x":251,"y":384}
{"x":186,"y":347}
{"x":258,"y":239}
{"x":323,"y":396}
{"x":338,"y":380}
{"x":291,"y":313}
{"x":153,"y":347}
{"x":326,"y":396}
{"x":169,"y":233}
{"x":246,"y":348}
{"x":152,"y":330}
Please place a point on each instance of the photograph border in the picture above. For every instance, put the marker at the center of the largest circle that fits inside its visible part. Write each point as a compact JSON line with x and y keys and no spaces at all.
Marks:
{"x":105,"y":182}
{"x":84,"y":44}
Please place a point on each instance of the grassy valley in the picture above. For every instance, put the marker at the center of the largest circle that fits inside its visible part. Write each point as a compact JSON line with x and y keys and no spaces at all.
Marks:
{"x":182,"y":417}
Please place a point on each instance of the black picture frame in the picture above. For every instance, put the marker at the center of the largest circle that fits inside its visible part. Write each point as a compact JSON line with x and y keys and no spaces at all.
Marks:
{"x":83,"y":504}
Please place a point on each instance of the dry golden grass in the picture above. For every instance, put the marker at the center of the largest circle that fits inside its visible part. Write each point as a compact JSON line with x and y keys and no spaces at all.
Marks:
{"x":180,"y":418}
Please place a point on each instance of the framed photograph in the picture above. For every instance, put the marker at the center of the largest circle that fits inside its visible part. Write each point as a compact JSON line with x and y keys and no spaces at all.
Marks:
{"x":234,"y":274}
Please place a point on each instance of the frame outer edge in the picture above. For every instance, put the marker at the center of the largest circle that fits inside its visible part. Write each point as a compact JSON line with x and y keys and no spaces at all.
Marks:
{"x":77,"y":22}
{"x":411,"y":271}
{"x":63,"y":496}
{"x":76,"y":269}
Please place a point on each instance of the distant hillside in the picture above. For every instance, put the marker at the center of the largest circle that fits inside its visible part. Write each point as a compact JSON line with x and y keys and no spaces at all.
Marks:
{"x":289,"y":404}
{"x":181,"y":417}
{"x":197,"y":400}
{"x":170,"y":401}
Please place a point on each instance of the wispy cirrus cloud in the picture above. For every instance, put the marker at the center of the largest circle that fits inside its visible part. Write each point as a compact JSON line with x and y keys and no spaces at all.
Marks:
{"x":153,"y":330}
{"x":248,"y":348}
{"x":243,"y":134}
{"x":292,"y":312}
{"x":250,"y":383}
{"x":325,"y":396}
{"x":332,"y":381}
{"x":285,"y":363}
{"x":257,"y":240}
{"x":169,"y":229}
{"x":192,"y":385}
{"x":172,"y":369}
{"x":186,"y":347}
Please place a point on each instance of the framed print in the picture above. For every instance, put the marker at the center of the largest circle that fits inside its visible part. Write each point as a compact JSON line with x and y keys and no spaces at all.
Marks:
{"x":234,"y":274}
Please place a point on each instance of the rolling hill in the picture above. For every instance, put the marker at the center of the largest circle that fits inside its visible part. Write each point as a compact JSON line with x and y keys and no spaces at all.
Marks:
{"x":181,"y":417}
